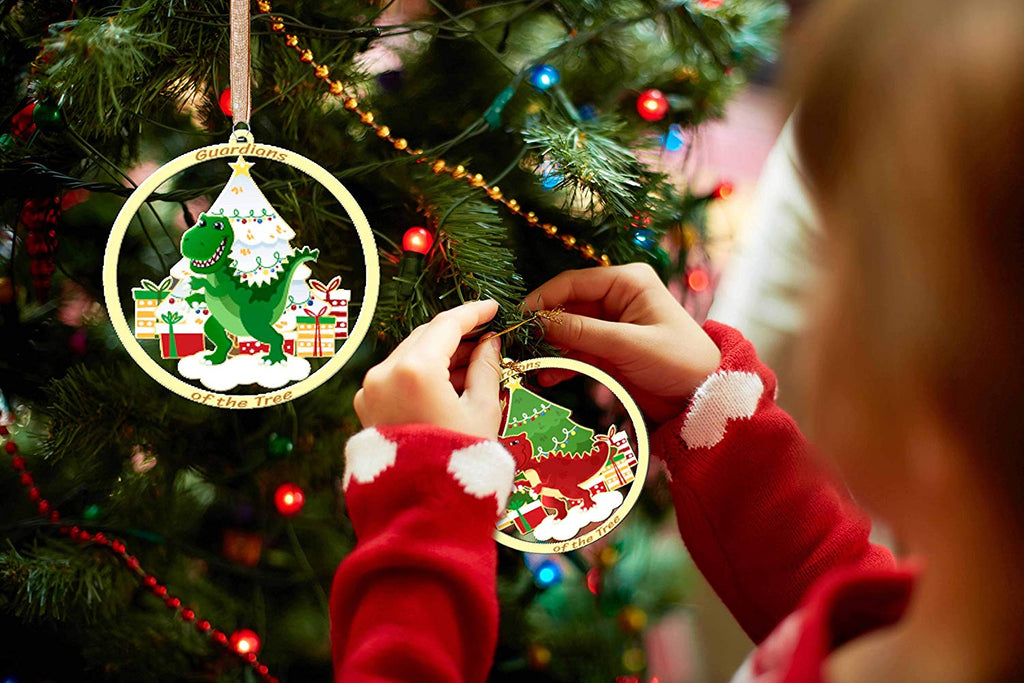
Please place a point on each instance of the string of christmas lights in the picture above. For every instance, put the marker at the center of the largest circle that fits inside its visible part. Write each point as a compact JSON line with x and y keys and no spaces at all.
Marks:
{"x":437,"y":165}
{"x":243,"y":643}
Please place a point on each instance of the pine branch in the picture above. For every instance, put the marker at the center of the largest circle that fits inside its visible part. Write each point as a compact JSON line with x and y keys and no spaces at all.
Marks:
{"x":469,"y":260}
{"x":600,"y":176}
{"x":62,"y":582}
{"x":119,"y":53}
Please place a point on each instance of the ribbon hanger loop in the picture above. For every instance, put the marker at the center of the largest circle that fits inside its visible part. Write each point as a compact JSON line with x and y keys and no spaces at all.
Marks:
{"x":241,"y":77}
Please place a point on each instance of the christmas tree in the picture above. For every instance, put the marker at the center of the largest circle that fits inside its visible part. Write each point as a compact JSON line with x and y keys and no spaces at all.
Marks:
{"x":491,"y":147}
{"x":549,"y":425}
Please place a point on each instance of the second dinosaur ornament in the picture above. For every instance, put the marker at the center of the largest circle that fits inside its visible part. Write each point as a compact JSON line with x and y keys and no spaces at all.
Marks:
{"x":574,"y":483}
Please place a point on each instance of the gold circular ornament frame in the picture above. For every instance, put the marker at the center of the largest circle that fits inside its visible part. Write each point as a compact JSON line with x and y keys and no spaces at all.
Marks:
{"x":227,"y":152}
{"x":642,"y":455}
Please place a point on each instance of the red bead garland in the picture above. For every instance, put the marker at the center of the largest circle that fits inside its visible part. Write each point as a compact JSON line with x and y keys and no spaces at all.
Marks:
{"x":186,"y":614}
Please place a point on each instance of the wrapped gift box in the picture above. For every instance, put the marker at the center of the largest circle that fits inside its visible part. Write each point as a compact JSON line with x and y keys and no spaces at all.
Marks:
{"x":336,"y":299}
{"x":184,"y":327}
{"x":251,"y":347}
{"x":528,"y":517}
{"x":145,"y":325}
{"x":341,"y":326}
{"x":147,"y":298}
{"x":624,"y":455}
{"x":314,"y":335}
{"x":185,"y":344}
{"x":307,"y":348}
{"x":616,"y":475}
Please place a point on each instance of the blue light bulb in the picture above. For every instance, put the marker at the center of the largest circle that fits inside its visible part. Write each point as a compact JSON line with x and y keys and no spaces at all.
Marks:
{"x":548,"y":573}
{"x":674,"y":139}
{"x":549,"y":175}
{"x":645,"y":238}
{"x":544,"y":76}
{"x":550,"y":181}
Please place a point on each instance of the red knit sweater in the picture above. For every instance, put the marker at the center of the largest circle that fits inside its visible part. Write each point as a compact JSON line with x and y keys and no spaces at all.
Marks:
{"x":780,"y":540}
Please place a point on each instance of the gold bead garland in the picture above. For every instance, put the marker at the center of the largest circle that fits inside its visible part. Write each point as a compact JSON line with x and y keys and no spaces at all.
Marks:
{"x":438,"y":166}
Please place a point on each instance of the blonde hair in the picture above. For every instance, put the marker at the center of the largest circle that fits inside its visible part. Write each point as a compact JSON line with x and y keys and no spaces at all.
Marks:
{"x":911,"y":130}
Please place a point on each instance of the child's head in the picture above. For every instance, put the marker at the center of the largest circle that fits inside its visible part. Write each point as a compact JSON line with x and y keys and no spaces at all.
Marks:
{"x":911,"y":130}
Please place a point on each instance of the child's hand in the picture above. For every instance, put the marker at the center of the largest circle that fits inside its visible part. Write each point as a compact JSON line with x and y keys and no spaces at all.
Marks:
{"x":420,"y":382}
{"x":624,"y":321}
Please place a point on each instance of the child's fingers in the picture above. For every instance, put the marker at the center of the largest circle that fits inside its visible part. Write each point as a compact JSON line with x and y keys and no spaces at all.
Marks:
{"x":552,"y":376}
{"x":549,"y":377}
{"x":359,"y":403}
{"x":408,"y":342}
{"x":462,"y":354}
{"x":442,"y":335}
{"x":457,"y":378}
{"x":483,"y":375}
{"x":614,"y":287}
{"x":594,"y":336}
{"x":412,"y":343}
{"x":460,"y":364}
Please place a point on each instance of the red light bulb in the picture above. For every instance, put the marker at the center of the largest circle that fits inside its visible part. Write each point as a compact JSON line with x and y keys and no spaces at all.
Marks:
{"x":698,"y":280}
{"x":652,"y":105}
{"x":723,"y":191}
{"x":417,"y":240}
{"x":289,"y":499}
{"x":225,"y":102}
{"x":244,"y":642}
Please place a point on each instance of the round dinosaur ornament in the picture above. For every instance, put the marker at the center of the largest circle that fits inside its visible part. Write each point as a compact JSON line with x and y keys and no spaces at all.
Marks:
{"x":238,"y":311}
{"x":581,"y":455}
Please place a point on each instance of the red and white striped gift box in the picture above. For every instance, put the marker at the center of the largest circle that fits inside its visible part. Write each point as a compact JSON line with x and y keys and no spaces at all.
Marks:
{"x":336,"y":299}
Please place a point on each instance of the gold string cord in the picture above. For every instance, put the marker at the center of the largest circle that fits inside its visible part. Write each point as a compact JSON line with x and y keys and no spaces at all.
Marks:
{"x":437,"y":165}
{"x":554,"y":315}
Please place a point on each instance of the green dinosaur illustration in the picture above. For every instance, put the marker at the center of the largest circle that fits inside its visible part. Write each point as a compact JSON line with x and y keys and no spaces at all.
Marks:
{"x":235,"y":307}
